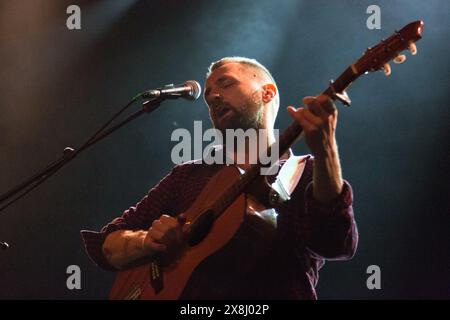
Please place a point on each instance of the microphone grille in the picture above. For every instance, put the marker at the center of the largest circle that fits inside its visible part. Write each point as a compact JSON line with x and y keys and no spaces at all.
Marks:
{"x":196,"y":89}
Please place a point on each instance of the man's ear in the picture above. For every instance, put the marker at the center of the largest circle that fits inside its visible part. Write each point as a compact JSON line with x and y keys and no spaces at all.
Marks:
{"x":269,"y":92}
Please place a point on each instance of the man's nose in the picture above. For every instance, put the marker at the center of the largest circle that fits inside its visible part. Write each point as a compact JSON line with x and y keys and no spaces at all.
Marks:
{"x":213,"y":97}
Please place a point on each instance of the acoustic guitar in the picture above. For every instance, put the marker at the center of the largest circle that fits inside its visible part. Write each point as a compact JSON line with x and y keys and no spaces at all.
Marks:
{"x":218,"y":212}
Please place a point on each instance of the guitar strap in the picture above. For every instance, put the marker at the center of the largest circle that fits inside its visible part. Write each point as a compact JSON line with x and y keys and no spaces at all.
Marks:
{"x":287,"y":179}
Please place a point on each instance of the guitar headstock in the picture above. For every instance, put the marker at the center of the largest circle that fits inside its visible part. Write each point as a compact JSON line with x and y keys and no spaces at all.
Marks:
{"x":378,"y":57}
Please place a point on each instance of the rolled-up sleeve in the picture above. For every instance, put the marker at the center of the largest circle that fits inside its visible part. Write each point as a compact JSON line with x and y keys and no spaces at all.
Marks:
{"x":156,"y":202}
{"x":332,"y":233}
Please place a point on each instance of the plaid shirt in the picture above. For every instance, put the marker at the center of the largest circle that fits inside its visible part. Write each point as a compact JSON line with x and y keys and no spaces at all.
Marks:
{"x":307,"y":234}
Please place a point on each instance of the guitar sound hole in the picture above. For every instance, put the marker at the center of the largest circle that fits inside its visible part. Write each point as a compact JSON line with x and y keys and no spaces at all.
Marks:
{"x":201,"y":227}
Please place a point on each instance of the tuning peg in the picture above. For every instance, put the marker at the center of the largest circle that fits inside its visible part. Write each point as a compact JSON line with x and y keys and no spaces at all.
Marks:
{"x":412,"y":48}
{"x":387,"y":69}
{"x":400,"y":58}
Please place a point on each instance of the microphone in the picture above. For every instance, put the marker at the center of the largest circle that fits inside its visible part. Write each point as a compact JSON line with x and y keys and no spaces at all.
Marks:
{"x":190,"y":90}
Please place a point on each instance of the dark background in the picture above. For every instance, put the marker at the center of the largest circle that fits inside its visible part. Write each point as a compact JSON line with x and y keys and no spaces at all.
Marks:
{"x":58,"y":86}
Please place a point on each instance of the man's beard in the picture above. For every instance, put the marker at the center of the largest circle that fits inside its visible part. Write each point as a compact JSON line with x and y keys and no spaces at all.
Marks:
{"x":243,"y":120}
{"x":244,"y":117}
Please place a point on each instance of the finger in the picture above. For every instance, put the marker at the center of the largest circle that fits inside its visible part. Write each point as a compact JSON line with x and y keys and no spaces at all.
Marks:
{"x":321,"y":105}
{"x":159,"y":226}
{"x":326,"y":104}
{"x":181,"y":230}
{"x":291,"y":110}
{"x":155,"y":246}
{"x":294,"y":113}
{"x":171,"y":227}
{"x":313,"y":105}
{"x":156,"y":235}
{"x":168,"y":220}
{"x":312,"y":118}
{"x":316,"y":108}
{"x":165,"y":224}
{"x":306,"y":125}
{"x":308,"y":99}
{"x":298,"y":116}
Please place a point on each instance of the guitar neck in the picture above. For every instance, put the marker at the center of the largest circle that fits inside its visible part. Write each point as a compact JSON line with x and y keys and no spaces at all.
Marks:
{"x":374,"y":59}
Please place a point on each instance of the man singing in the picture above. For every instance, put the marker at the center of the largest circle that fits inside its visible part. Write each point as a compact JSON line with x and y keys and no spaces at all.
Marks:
{"x":264,"y":260}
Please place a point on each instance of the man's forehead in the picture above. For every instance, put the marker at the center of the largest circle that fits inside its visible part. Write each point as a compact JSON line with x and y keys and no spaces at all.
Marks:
{"x":230,"y":68}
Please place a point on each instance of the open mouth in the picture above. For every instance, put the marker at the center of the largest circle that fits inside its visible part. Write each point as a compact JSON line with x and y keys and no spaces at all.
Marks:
{"x":223,"y":111}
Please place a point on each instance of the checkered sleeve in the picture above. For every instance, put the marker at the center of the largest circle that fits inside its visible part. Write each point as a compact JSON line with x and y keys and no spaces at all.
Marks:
{"x":156,"y":202}
{"x":332,"y":231}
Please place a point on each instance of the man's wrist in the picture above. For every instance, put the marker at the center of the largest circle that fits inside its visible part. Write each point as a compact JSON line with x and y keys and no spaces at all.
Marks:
{"x":327,"y":178}
{"x":141,"y":246}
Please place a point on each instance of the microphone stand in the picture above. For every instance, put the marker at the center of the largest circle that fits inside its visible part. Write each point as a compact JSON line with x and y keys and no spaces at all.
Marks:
{"x":69,"y":154}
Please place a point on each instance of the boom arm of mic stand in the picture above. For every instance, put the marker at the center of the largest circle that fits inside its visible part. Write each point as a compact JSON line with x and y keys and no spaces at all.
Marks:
{"x":70,"y":154}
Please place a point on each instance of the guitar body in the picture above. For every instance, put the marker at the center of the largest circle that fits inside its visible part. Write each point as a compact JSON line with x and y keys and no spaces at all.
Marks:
{"x":135,"y":282}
